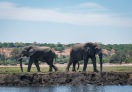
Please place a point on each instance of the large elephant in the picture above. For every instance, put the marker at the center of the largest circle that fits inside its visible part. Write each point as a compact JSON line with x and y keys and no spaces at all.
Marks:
{"x":84,"y":52}
{"x":36,"y":53}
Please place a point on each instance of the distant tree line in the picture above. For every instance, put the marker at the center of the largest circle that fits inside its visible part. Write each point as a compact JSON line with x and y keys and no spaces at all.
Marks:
{"x":123,"y":52}
{"x":57,"y":47}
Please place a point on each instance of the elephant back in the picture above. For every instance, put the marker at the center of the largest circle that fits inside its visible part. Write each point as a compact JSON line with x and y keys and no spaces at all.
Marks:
{"x":77,"y":47}
{"x":45,"y":49}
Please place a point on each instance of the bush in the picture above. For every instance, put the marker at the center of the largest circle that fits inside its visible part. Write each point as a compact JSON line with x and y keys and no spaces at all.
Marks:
{"x":106,"y":59}
{"x":2,"y":57}
{"x":8,"y":62}
{"x":128,"y":60}
{"x":62,"y":60}
{"x":118,"y":57}
{"x":1,"y":62}
{"x":26,"y":63}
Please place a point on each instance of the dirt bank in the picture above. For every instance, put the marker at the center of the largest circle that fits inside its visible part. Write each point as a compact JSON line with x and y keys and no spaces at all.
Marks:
{"x":79,"y":78}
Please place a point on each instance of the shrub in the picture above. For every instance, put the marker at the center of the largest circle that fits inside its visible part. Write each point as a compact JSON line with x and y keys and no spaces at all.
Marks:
{"x":128,"y":60}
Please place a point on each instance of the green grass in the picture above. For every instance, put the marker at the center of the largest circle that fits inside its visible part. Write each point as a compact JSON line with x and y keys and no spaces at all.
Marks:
{"x":118,"y":68}
{"x":16,"y":70}
{"x":111,"y":68}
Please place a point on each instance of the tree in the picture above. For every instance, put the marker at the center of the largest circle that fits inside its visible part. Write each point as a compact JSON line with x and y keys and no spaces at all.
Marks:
{"x":1,"y":45}
{"x":119,"y":57}
{"x":11,"y":44}
{"x":59,"y":44}
{"x":2,"y":57}
{"x":19,"y":44}
{"x":15,"y":53}
{"x":5,"y":44}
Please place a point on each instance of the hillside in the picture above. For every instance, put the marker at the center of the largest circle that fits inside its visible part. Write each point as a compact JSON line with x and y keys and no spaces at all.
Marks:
{"x":6,"y":51}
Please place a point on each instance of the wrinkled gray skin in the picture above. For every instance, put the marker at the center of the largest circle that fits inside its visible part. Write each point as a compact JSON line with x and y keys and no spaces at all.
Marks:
{"x":84,"y":52}
{"x":36,"y":53}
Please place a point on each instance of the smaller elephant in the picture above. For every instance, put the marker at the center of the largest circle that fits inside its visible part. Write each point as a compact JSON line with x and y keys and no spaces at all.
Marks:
{"x":37,"y":53}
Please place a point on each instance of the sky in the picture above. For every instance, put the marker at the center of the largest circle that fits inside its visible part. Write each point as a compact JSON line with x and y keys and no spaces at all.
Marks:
{"x":66,"y":21}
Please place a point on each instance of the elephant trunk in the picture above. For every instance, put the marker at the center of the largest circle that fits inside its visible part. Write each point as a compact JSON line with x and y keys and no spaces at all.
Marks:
{"x":100,"y":57}
{"x":20,"y":60}
{"x":21,"y":65}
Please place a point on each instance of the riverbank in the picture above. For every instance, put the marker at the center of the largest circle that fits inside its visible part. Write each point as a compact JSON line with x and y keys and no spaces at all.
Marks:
{"x":62,"y":78}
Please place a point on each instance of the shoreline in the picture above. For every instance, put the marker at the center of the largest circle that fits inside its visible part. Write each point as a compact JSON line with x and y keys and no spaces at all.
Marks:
{"x":66,"y":78}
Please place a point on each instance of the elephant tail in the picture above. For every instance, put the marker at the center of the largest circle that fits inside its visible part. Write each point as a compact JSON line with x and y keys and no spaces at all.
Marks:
{"x":78,"y":65}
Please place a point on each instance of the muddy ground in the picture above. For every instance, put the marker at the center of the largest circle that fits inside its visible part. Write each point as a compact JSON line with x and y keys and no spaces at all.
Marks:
{"x":70,"y":78}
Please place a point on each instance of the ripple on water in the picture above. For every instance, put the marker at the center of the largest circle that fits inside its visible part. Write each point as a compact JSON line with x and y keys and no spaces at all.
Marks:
{"x":81,"y":88}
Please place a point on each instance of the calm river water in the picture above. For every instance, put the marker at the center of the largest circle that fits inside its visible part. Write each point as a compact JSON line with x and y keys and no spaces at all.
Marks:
{"x":86,"y":88}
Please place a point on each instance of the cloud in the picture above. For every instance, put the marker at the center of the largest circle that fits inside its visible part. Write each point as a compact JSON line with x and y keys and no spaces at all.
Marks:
{"x":6,"y":5}
{"x":12,"y":12}
{"x":91,"y":5}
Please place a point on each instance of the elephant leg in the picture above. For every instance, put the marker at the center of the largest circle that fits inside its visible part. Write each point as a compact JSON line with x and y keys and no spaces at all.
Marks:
{"x":68,"y":66}
{"x":37,"y":65}
{"x":50,"y":68}
{"x":94,"y":64}
{"x":29,"y":65}
{"x":50,"y":63}
{"x":74,"y":66}
{"x":85,"y":64}
{"x":56,"y":69}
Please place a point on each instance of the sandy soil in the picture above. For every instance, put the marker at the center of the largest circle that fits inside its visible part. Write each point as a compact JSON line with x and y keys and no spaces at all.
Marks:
{"x":64,"y":65}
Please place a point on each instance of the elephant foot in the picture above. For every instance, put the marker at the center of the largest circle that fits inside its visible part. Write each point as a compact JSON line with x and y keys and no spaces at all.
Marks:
{"x":56,"y":69}
{"x":67,"y":70}
{"x":73,"y":70}
{"x":50,"y":71}
{"x":96,"y":71}
{"x":84,"y":70}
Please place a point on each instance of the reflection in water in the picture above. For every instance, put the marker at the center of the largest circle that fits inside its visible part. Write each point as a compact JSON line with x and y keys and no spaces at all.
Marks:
{"x":86,"y":88}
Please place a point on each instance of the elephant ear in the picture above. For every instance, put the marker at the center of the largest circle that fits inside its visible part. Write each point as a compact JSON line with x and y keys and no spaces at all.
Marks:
{"x":86,"y":49}
{"x":31,"y":52}
{"x":89,"y":48}
{"x":98,"y":50}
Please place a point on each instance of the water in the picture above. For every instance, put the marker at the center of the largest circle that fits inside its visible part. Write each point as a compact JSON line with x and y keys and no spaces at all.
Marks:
{"x":87,"y":88}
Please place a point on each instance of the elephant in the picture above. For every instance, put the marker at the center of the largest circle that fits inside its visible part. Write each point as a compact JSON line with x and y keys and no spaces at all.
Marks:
{"x":84,"y":52}
{"x":37,"y":53}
